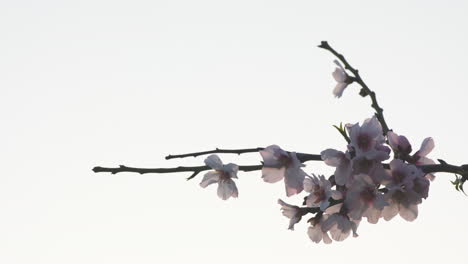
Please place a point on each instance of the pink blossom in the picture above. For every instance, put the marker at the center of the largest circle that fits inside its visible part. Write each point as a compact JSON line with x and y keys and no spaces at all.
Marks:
{"x":320,"y":192}
{"x":399,"y":144}
{"x":279,"y":164}
{"x":363,"y":199}
{"x":223,"y":175}
{"x":420,"y":156}
{"x":402,"y":148}
{"x":367,"y":140}
{"x":406,"y":189}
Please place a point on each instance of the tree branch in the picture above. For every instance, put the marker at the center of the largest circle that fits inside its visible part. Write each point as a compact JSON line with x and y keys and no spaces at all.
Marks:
{"x":365,"y":89}
{"x":303,"y":157}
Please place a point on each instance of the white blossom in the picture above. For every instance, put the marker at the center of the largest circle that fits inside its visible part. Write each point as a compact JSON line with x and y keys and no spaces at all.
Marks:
{"x":279,"y":164}
{"x":406,"y":189}
{"x":367,"y":140}
{"x":342,"y":79}
{"x":421,"y":155}
{"x":363,"y":199}
{"x":223,"y":175}
{"x":320,"y":192}
{"x":292,"y":212}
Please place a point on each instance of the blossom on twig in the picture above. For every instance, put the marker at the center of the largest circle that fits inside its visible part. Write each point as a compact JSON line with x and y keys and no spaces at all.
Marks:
{"x":279,"y":164}
{"x":399,"y":144}
{"x":339,"y":224}
{"x":320,"y":192}
{"x":420,"y":157}
{"x":223,"y":175}
{"x":367,"y":140}
{"x":292,"y":212}
{"x":406,"y":189}
{"x":363,"y":199}
{"x":342,"y":79}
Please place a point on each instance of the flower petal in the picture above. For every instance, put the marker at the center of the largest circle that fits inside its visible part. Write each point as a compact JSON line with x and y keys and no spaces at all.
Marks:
{"x":231,"y":169}
{"x":336,"y":195}
{"x":338,"y":234}
{"x":315,"y":233}
{"x":425,"y":161}
{"x":334,"y":209}
{"x":214,"y":162}
{"x":430,"y":176}
{"x":426,"y":147}
{"x":409,"y":213}
{"x":372,"y":215}
{"x":390,"y":211}
{"x":392,"y":139}
{"x":326,"y":238}
{"x":226,"y":189}
{"x":308,"y":184}
{"x":294,"y":180}
{"x":272,"y":175}
{"x":339,"y":89}
{"x":338,"y":64}
{"x":209,"y":178}
{"x":332,"y":157}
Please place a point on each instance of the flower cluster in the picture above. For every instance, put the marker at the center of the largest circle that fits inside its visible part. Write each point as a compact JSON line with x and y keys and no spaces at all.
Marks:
{"x":362,"y":186}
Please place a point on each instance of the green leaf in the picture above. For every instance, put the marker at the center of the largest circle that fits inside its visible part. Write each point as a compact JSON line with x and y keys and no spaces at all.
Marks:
{"x":459,"y":182}
{"x":342,"y":130}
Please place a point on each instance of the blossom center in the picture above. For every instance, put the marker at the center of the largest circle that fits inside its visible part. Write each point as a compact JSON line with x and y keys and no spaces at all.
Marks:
{"x":223,"y":175}
{"x":398,"y":176}
{"x":364,"y":141}
{"x":368,"y":195}
{"x":285,"y":160}
{"x":319,"y":194}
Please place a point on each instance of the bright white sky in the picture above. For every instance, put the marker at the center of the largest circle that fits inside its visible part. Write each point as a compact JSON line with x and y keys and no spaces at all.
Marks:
{"x":86,"y":83}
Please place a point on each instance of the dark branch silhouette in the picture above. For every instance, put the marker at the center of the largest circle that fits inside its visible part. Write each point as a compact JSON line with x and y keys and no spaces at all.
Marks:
{"x":217,"y":150}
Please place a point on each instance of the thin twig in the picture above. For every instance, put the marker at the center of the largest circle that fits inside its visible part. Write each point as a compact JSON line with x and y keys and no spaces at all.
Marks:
{"x":303,"y":157}
{"x":195,"y":170}
{"x":217,"y":150}
{"x":365,"y":89}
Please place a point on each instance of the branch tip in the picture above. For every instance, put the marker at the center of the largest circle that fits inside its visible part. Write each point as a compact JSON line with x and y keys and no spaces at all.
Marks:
{"x":323,"y":44}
